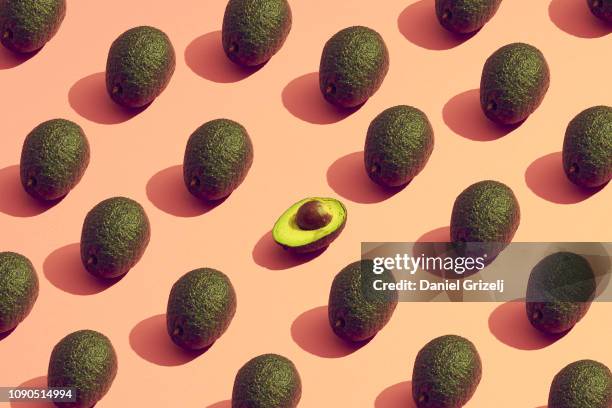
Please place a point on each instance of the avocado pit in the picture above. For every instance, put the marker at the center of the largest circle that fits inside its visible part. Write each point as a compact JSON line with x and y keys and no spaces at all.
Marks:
{"x":312,"y":215}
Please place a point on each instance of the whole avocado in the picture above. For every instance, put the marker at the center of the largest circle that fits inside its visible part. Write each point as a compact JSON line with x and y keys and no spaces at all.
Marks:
{"x":353,"y":66}
{"x":254,"y":30}
{"x":201,"y":306}
{"x":601,"y":9}
{"x":86,"y":361}
{"x":217,"y":159}
{"x":357,"y":311}
{"x":267,"y":381}
{"x":587,"y":147}
{"x":514,"y":81}
{"x":582,"y":384}
{"x":398,"y":145}
{"x":115,"y":234}
{"x":446,"y":373}
{"x":54,"y":158}
{"x":140,"y":63}
{"x":27,"y":25}
{"x":559,"y":292}
{"x":465,"y":16}
{"x":18,"y":289}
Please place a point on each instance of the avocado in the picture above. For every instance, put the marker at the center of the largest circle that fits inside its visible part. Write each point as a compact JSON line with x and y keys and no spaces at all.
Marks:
{"x":446,"y":373}
{"x":465,"y":16}
{"x":582,"y":384}
{"x":217,"y":159}
{"x":140,"y":63}
{"x":27,"y":25}
{"x":201,"y":306}
{"x":353,"y":66}
{"x":86,"y":361}
{"x":601,"y":9}
{"x":54,"y":158}
{"x":514,"y":81}
{"x":559,"y":292}
{"x":267,"y":381}
{"x":587,"y":147}
{"x":115,"y":234}
{"x":398,"y":145}
{"x":18,"y":289}
{"x":310,"y":224}
{"x":484,"y":219}
{"x":254,"y":30}
{"x":357,"y":311}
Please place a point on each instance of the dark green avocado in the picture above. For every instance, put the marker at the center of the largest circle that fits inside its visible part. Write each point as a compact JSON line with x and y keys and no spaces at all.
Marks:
{"x":446,"y":373}
{"x":356,"y":310}
{"x":587,"y":147}
{"x":267,"y":381}
{"x":559,"y":292}
{"x":54,"y":158}
{"x":254,"y":30}
{"x":398,"y":145}
{"x":601,"y":9}
{"x":140,"y":63}
{"x":514,"y":81}
{"x":27,"y":25}
{"x":465,"y":16}
{"x":86,"y":361}
{"x":201,"y":306}
{"x":115,"y":234}
{"x":18,"y":289}
{"x":353,"y":66}
{"x":582,"y":384}
{"x":310,"y":224}
{"x":217,"y":159}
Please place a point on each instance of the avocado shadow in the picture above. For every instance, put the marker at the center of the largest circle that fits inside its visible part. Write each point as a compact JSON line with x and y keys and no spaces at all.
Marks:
{"x":348,"y":178}
{"x":575,"y":18}
{"x":464,"y":116}
{"x":509,"y":324}
{"x":396,"y":396}
{"x":206,"y":58}
{"x":221,"y":404}
{"x":303,"y":99}
{"x":36,"y":382}
{"x":14,"y":200}
{"x":419,"y":24}
{"x":89,"y":98}
{"x":438,"y":235}
{"x":64,"y":269}
{"x":270,"y":255}
{"x":9,"y":59}
{"x":546,"y":178}
{"x":311,"y":331}
{"x":150,"y":340}
{"x":167,"y":191}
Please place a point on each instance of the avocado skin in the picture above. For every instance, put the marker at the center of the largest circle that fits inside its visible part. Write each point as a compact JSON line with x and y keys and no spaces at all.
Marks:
{"x":54,"y":158}
{"x":27,"y":25}
{"x":514,"y":81}
{"x":398,"y":145}
{"x":115,"y":234}
{"x":217,"y":159}
{"x":466,"y":16}
{"x":601,"y":9}
{"x":559,"y":292}
{"x":201,"y":306}
{"x":486,"y":213}
{"x":258,"y":28}
{"x":267,"y":381}
{"x":18,"y":289}
{"x":84,"y":360}
{"x":140,"y":64}
{"x":356,"y":311}
{"x":354,"y":64}
{"x":587,"y":147}
{"x":582,"y":384}
{"x":446,"y":373}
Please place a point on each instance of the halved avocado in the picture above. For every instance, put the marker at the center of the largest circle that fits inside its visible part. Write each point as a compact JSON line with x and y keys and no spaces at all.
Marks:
{"x":310,"y":224}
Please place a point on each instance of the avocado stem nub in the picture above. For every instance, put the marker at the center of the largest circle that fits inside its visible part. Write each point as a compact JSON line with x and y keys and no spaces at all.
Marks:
{"x":117,"y":89}
{"x":233,"y":47}
{"x":423,"y":397}
{"x":537,"y":315}
{"x":491,"y":106}
{"x":31,"y":182}
{"x":339,"y":322}
{"x":573,"y":168}
{"x":7,"y":34}
{"x":447,"y":15}
{"x":92,"y":260}
{"x":330,"y":89}
{"x":195,"y":181}
{"x":178,"y":331}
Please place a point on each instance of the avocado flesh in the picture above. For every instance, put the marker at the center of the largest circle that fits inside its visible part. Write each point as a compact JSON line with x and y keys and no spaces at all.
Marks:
{"x":287,"y":233}
{"x":18,"y":289}
{"x":601,"y":9}
{"x":582,"y":384}
{"x":465,"y":16}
